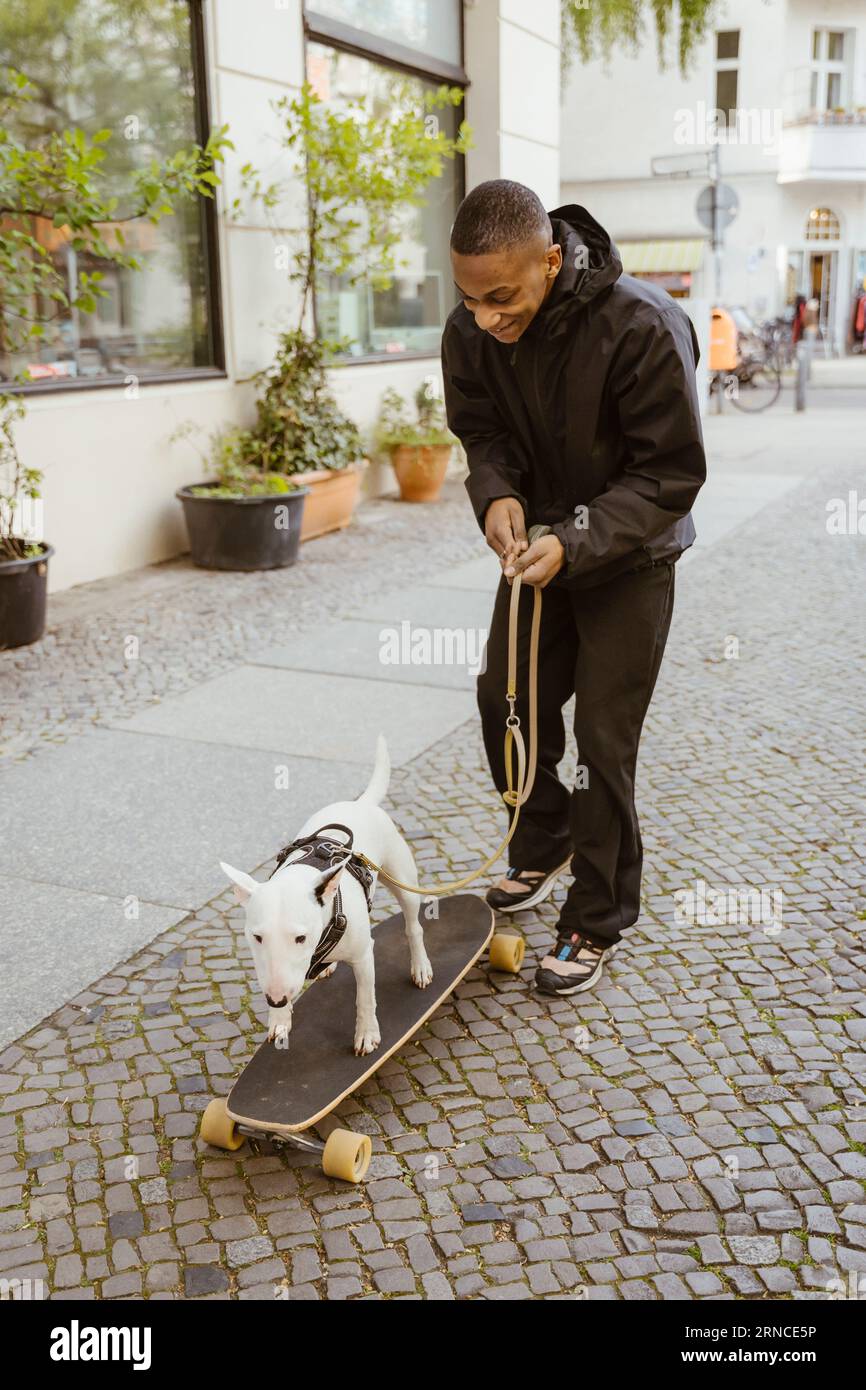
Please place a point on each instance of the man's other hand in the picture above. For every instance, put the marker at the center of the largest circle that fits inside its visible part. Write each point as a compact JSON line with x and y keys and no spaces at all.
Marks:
{"x":538,"y":564}
{"x":505,"y":529}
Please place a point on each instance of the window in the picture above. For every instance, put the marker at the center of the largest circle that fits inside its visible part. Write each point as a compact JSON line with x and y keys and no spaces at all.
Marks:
{"x":727,"y":75}
{"x":134,"y":69}
{"x":431,"y":27}
{"x":822,"y":225}
{"x":829,"y":70}
{"x":409,"y":317}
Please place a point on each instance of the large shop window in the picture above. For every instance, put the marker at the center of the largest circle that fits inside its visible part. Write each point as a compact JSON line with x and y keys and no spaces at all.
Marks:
{"x":135,"y":69}
{"x":408,"y":317}
{"x":430,"y":27}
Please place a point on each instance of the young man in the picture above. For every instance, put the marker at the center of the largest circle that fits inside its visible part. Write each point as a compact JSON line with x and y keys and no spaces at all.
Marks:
{"x":572,"y":389}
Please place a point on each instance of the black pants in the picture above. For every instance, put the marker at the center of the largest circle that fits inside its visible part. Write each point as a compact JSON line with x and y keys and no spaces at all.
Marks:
{"x":604,"y":646}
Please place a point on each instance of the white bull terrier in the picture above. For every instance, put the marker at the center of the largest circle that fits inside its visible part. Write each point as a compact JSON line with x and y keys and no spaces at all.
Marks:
{"x":295,"y":910}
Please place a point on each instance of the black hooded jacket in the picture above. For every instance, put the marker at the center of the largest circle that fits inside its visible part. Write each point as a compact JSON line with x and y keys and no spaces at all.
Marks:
{"x":591,"y":419}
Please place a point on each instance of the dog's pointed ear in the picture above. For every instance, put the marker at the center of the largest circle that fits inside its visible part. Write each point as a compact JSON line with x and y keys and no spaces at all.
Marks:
{"x":329,"y":881}
{"x":244,"y":885}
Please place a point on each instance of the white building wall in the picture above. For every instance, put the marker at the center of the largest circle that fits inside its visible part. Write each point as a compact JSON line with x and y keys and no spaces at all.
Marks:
{"x":512,"y":58}
{"x":110,"y":471}
{"x":620,"y":113}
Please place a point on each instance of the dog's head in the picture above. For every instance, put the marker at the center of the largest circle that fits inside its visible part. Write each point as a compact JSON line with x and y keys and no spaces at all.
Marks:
{"x":285,"y":919}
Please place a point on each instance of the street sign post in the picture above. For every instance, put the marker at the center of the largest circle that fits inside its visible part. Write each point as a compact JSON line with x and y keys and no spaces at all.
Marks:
{"x":717,"y":207}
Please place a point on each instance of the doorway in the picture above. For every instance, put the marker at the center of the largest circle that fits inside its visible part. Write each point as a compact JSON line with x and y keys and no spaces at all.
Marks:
{"x":821,"y":285}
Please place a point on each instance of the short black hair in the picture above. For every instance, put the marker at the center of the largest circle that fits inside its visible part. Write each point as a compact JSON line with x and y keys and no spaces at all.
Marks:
{"x":496,"y":216}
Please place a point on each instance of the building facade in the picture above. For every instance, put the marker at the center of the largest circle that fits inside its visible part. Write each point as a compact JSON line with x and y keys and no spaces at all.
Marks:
{"x":172,"y":343}
{"x":788,"y":79}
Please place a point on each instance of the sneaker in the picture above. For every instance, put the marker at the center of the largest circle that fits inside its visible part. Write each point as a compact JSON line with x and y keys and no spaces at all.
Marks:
{"x":575,"y":965}
{"x":535,"y":887}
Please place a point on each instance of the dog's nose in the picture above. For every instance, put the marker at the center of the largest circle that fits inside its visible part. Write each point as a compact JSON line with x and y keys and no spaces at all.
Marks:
{"x":274,"y":1004}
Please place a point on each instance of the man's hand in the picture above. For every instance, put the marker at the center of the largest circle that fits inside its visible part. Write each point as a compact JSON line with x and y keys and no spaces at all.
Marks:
{"x":538,"y":564}
{"x":505,"y":529}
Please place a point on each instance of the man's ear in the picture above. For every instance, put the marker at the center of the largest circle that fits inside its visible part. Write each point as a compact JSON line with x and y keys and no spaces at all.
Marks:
{"x":244,"y":885}
{"x":329,"y":882}
{"x":554,"y":264}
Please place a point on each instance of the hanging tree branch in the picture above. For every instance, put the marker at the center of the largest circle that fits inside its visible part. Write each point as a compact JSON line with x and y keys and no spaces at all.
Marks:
{"x":595,"y":27}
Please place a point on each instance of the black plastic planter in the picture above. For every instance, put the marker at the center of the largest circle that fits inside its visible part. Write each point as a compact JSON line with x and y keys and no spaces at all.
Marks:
{"x":243,"y":533}
{"x":23,"y":587}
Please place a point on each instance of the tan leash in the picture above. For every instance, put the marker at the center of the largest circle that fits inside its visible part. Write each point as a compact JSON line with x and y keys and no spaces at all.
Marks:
{"x":515,"y":796}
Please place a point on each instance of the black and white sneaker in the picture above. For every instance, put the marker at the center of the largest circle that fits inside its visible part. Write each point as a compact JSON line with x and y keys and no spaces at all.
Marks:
{"x":535,"y":888}
{"x":574,"y":965}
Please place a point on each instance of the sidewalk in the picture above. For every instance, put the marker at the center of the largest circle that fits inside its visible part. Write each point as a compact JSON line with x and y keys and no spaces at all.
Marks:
{"x":571,"y":1163}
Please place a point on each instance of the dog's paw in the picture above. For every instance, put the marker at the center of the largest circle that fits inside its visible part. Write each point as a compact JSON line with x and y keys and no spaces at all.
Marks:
{"x":326,"y":974}
{"x":421,"y":971}
{"x":367,"y":1040}
{"x":279,"y":1027}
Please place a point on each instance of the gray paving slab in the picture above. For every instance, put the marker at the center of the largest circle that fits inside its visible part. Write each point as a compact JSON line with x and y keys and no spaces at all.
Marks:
{"x":429,"y":605}
{"x":728,"y":499}
{"x":54,"y":941}
{"x":334,"y":718}
{"x":364,"y":648}
{"x":483,"y":573}
{"x":128,"y":814}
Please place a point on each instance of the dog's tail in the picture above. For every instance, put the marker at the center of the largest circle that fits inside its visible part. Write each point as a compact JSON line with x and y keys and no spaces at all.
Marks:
{"x":378,"y":785}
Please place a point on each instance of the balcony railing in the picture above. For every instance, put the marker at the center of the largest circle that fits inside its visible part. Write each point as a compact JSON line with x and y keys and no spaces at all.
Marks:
{"x":855,"y":115}
{"x":828,"y":146}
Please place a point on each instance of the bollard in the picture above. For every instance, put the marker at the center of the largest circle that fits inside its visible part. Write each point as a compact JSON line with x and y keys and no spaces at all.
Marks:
{"x":802,"y":375}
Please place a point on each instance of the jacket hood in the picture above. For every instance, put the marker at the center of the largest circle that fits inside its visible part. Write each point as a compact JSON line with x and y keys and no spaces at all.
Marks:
{"x":581,"y":277}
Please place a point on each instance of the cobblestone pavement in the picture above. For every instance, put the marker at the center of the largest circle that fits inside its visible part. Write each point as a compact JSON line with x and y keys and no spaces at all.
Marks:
{"x":693,"y":1129}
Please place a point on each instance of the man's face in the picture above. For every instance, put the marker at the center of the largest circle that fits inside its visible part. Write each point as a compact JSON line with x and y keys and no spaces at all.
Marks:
{"x":505,"y":290}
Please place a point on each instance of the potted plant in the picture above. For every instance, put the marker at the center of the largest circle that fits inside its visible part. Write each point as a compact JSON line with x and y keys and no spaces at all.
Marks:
{"x":299,"y":428}
{"x":23,"y":560}
{"x":245,"y":517}
{"x":361,"y":164}
{"x":420,"y":449}
{"x":53,"y":191}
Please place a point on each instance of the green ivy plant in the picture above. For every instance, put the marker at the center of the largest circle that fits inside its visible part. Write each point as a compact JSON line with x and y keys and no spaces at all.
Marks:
{"x":59,"y":176}
{"x":395,"y":426}
{"x":590,"y":27}
{"x":360,"y":163}
{"x":299,"y":426}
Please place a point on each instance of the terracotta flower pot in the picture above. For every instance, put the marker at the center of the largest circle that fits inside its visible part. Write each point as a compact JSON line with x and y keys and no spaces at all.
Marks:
{"x":331,"y":501}
{"x":421,"y":470}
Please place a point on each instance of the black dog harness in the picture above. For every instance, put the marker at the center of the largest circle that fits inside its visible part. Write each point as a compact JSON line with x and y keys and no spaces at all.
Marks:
{"x":323,"y":853}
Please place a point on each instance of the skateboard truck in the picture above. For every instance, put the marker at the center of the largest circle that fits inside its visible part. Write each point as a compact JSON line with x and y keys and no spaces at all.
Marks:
{"x":344,"y":1154}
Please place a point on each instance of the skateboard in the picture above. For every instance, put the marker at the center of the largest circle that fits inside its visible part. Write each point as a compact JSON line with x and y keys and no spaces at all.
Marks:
{"x":284,"y":1091}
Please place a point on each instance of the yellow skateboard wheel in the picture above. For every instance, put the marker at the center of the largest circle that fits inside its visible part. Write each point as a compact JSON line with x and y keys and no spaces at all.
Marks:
{"x":507,"y":952}
{"x":218,"y":1128}
{"x":347,"y":1155}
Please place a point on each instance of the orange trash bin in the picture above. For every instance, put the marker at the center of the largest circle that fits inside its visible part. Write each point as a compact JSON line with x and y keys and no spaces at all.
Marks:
{"x":723,"y":342}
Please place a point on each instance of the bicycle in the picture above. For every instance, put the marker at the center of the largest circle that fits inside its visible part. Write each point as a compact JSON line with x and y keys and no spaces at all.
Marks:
{"x":754,"y":384}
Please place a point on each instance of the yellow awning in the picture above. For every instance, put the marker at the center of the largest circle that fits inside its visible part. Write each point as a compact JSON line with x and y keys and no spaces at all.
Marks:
{"x":643,"y":257}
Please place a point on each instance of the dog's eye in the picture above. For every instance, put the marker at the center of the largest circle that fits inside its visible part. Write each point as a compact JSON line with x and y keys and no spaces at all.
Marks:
{"x":299,"y":940}
{"x":258,"y":939}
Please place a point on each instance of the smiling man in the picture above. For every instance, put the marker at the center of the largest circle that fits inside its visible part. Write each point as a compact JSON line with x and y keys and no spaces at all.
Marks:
{"x":572,"y":388}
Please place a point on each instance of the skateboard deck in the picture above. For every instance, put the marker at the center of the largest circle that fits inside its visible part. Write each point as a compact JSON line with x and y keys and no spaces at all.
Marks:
{"x":289,"y":1089}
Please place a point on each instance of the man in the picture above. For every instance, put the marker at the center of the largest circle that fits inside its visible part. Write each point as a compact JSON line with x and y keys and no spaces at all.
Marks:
{"x":572,"y":389}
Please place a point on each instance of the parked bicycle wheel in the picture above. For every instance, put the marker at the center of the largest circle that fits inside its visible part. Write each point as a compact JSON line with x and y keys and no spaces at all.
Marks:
{"x":757,"y":384}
